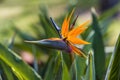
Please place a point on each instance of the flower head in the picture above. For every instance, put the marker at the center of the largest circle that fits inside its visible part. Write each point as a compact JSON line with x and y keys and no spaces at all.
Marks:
{"x":68,"y":38}
{"x":69,"y":35}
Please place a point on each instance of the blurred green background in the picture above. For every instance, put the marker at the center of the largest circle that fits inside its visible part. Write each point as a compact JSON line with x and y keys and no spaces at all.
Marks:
{"x":24,"y":13}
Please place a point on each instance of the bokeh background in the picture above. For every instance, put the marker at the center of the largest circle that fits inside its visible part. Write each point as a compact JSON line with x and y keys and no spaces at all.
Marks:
{"x":25,"y":13}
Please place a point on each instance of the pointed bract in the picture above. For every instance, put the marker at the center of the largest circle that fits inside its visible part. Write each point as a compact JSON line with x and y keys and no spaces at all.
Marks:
{"x":64,"y":30}
{"x":54,"y":43}
{"x":65,"y":25}
{"x":77,"y":41}
{"x":77,"y":31}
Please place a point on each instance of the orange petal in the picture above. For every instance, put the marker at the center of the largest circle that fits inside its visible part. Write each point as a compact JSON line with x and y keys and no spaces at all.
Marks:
{"x":65,"y":25}
{"x":77,"y":51}
{"x":77,"y":40}
{"x":70,"y":16}
{"x":65,"y":28}
{"x":76,"y":31}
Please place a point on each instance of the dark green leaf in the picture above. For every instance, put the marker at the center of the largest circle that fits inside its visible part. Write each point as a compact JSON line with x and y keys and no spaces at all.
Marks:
{"x":98,"y":48}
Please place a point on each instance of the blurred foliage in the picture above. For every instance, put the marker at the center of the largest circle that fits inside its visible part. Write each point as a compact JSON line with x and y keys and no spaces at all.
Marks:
{"x":31,"y":21}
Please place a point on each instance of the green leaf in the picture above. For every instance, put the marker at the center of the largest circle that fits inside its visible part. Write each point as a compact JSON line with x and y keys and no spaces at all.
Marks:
{"x":54,"y":69}
{"x":90,"y":72}
{"x":17,"y":64}
{"x":73,"y":70}
{"x":7,"y":70}
{"x":49,"y":68}
{"x":104,"y":20}
{"x":10,"y":46}
{"x":98,"y":48}
{"x":65,"y":74}
{"x":113,"y":72}
{"x":80,"y":67}
{"x":23,"y":35}
{"x":46,"y":24}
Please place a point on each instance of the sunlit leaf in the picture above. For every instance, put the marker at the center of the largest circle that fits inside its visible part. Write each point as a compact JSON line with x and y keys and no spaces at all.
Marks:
{"x":16,"y":63}
{"x":7,"y":70}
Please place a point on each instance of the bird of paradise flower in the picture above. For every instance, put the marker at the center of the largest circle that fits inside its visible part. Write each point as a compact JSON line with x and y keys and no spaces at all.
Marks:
{"x":68,"y":37}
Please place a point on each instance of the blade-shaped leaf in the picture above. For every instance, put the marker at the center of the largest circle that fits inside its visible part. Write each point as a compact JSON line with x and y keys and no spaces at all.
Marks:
{"x":7,"y":70}
{"x":54,"y":71}
{"x":113,"y":72}
{"x":73,"y":70}
{"x":98,"y":48}
{"x":49,"y":68}
{"x":10,"y":46}
{"x":90,"y":73}
{"x":78,"y":68}
{"x":23,"y":35}
{"x":16,"y":63}
{"x":65,"y":74}
{"x":46,"y":24}
{"x":104,"y":19}
{"x":57,"y":69}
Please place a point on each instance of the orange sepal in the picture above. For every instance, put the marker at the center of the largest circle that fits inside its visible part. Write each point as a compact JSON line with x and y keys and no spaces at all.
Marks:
{"x":77,"y":40}
{"x":76,"y":31}
{"x":65,"y":25}
{"x":77,"y":51}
